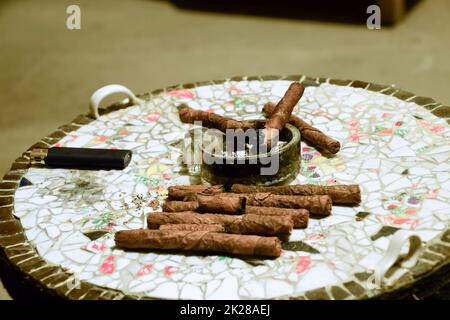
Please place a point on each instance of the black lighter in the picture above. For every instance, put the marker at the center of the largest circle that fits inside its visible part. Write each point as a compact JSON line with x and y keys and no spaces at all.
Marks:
{"x":82,"y":158}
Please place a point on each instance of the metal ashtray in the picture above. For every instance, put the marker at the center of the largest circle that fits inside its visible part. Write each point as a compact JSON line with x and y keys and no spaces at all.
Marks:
{"x":277,"y":166}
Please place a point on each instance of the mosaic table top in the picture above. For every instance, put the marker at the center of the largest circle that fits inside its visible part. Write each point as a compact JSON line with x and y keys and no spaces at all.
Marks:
{"x":392,"y":146}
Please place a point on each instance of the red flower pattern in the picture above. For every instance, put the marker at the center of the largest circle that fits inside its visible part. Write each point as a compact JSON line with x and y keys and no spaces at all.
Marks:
{"x":168,"y":271}
{"x":181,"y":94}
{"x":153,"y":116}
{"x":108,"y":265}
{"x":146,"y":269}
{"x":303,"y":264}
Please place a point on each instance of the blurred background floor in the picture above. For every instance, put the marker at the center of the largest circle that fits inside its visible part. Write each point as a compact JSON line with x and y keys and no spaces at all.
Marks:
{"x":49,"y":72}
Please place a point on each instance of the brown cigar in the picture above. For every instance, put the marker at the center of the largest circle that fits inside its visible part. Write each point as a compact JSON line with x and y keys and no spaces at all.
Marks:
{"x":282,"y":112}
{"x":339,"y":194}
{"x":262,"y":226}
{"x":308,"y":132}
{"x":318,"y":205}
{"x":156,"y":219}
{"x":199,"y":241}
{"x":177,"y":206}
{"x":299,"y":216}
{"x":211,"y":120}
{"x":180,"y":192}
{"x":227,"y":203}
{"x":193,"y":227}
{"x":245,"y":224}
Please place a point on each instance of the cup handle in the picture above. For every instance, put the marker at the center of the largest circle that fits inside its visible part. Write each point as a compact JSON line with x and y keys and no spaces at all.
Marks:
{"x":98,"y":96}
{"x":393,"y":255}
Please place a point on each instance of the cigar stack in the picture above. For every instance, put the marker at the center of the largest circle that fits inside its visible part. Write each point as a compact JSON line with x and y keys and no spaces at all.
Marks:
{"x":244,"y":219}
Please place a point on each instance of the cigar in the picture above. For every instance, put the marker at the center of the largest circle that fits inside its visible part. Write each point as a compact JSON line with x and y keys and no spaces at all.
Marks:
{"x":211,"y":120}
{"x":282,"y":112}
{"x":299,"y":217}
{"x":280,"y":226}
{"x":262,"y":226}
{"x":339,"y":194}
{"x":182,"y":191}
{"x":177,"y":206}
{"x":317,"y":205}
{"x":193,"y":227}
{"x":308,"y":132}
{"x":227,"y":203}
{"x":156,"y":219}
{"x":206,"y":241}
